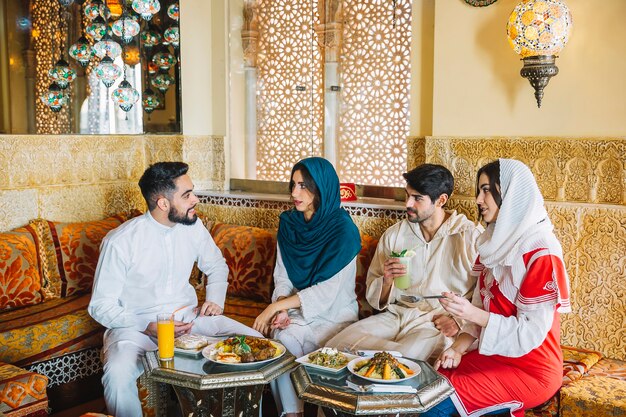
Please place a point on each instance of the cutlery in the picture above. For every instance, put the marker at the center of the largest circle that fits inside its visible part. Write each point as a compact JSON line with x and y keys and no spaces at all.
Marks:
{"x":380,"y":387}
{"x":365,"y":352}
{"x":196,"y":316}
{"x":418,"y":298}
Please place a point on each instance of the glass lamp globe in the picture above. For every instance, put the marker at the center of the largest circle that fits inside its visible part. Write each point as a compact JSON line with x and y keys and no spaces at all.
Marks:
{"x":146,"y":8}
{"x":172,"y":36}
{"x":107,"y":71}
{"x":150,"y":37}
{"x":54,"y":98}
{"x":93,"y":9}
{"x":150,"y":100}
{"x":107,"y":47}
{"x":66,"y":3}
{"x":81,"y":51}
{"x":126,"y":27}
{"x":131,"y":55}
{"x":173,"y":11}
{"x":538,"y":30}
{"x":97,"y":28}
{"x":162,"y":81}
{"x":62,"y":74}
{"x":164,"y":60}
{"x":125,"y":96}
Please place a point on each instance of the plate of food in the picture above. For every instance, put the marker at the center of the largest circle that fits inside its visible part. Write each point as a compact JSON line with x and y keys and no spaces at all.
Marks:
{"x":327,"y":359}
{"x":382,"y":367}
{"x":243,"y":350}
{"x":191,"y":344}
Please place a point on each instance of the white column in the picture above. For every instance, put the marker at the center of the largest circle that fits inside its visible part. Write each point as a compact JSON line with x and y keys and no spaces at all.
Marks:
{"x":331,"y":110}
{"x":250,"y":121}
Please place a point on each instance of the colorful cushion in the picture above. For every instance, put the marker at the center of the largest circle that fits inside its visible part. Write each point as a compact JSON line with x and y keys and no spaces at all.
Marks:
{"x":20,"y":277}
{"x":21,"y":392}
{"x":594,"y":396}
{"x":576,"y":362}
{"x":364,"y":259}
{"x":48,"y":330}
{"x":250,"y":253}
{"x":77,"y":250}
{"x":612,"y":368}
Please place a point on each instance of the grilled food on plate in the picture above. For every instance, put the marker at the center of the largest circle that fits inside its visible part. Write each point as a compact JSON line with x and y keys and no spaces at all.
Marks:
{"x":244,"y":349}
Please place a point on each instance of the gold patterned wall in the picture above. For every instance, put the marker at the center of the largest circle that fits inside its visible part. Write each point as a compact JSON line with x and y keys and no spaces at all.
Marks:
{"x":584,"y":183}
{"x":375,"y":81}
{"x":290,"y":110}
{"x":82,"y":178}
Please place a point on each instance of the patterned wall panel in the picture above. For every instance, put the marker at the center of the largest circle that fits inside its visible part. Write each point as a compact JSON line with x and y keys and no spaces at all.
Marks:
{"x":17,"y":207}
{"x":290,"y":122}
{"x":375,"y":77}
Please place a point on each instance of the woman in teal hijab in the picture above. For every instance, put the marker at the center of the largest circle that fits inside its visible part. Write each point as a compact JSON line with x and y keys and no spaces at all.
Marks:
{"x":315,"y":271}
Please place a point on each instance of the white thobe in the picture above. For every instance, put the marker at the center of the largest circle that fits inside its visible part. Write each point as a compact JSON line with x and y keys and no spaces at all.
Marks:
{"x":144,"y":270}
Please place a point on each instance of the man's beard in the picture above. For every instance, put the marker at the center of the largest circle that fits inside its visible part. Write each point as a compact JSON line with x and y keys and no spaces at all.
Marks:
{"x":417,"y":218}
{"x":175,"y":216}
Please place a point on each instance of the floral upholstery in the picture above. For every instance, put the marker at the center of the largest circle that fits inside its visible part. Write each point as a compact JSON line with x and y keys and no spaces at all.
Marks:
{"x":576,"y":362}
{"x":594,"y":396}
{"x":20,"y":278}
{"x":610,"y":368}
{"x":48,"y":330}
{"x":250,"y":253}
{"x":22,"y":393}
{"x":364,"y":259}
{"x":242,"y":309}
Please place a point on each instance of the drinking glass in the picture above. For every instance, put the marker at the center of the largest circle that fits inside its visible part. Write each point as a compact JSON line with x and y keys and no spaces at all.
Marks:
{"x":165,"y":336}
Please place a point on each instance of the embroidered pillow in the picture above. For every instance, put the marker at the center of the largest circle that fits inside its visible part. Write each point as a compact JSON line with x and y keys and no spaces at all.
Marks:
{"x":250,"y":253}
{"x":363,"y":261}
{"x":20,"y":275}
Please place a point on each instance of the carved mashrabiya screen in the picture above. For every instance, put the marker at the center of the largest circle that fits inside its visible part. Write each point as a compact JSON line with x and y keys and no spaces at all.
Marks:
{"x":375,"y":80}
{"x":289,"y":87}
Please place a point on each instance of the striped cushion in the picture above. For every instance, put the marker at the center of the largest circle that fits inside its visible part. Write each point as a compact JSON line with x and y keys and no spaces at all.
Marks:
{"x":48,"y":330}
{"x":22,"y":392}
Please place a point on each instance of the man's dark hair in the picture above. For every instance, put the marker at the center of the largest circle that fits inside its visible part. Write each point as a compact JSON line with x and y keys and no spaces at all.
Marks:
{"x":492,"y":171}
{"x":308,"y":182}
{"x":431,"y":180}
{"x":158,"y":181}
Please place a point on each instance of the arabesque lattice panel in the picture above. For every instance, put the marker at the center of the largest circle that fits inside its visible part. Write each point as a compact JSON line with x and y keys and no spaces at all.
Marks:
{"x":290,"y":119}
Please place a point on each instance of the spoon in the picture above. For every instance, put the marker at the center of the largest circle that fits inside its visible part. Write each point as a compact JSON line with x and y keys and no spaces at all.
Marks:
{"x":418,"y":298}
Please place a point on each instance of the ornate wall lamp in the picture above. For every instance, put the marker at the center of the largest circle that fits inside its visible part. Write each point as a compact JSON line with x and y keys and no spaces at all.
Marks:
{"x":538,"y":30}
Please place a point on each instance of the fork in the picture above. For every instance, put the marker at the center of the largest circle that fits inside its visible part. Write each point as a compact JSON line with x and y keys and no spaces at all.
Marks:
{"x":197,"y":314}
{"x":418,"y":298}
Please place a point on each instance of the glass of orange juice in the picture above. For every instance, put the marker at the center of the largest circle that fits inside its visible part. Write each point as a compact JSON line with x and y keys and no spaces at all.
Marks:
{"x":165,"y":336}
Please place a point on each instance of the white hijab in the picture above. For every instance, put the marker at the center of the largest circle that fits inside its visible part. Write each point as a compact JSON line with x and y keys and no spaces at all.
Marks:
{"x":522,"y":225}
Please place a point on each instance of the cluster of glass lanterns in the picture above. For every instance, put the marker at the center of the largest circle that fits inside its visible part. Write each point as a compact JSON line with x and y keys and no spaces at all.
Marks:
{"x":98,"y":42}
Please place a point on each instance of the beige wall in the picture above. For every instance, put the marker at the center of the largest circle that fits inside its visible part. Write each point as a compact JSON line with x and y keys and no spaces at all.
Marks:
{"x":478,"y":89}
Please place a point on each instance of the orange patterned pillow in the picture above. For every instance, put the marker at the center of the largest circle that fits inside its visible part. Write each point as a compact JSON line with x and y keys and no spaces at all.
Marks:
{"x":250,"y":253}
{"x":77,"y":251}
{"x":20,"y":275}
{"x":363,"y":261}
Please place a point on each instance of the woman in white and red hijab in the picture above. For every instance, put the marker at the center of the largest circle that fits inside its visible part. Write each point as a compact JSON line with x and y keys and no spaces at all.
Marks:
{"x":514,"y":315}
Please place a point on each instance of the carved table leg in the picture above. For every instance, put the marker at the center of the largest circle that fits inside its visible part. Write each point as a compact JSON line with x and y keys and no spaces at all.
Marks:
{"x":227,"y":402}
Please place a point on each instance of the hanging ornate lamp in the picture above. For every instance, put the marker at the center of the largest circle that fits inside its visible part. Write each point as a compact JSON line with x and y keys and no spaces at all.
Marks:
{"x":150,"y":100}
{"x":131,"y":55}
{"x":162,"y":81}
{"x":97,"y":29}
{"x":150,"y":37}
{"x":164,"y":60}
{"x":171,"y":36}
{"x":146,"y":8}
{"x":126,"y":27}
{"x":125,"y":96}
{"x":107,"y":47}
{"x":538,"y":30}
{"x":152,"y":68}
{"x":62,"y":74}
{"x":173,"y":11}
{"x":82,"y":51}
{"x":93,"y":9}
{"x":54,"y":98}
{"x":107,"y":71}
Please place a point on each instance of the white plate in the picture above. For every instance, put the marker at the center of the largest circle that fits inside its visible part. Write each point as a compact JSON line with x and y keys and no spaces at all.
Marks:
{"x":189,"y":352}
{"x":208,"y":352}
{"x":304,"y":360}
{"x":408,"y":363}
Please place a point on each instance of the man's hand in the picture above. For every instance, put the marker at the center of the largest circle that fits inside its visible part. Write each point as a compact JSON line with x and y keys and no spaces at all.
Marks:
{"x":446,"y":325}
{"x":210,"y":309}
{"x":180,"y":328}
{"x":392,"y":268}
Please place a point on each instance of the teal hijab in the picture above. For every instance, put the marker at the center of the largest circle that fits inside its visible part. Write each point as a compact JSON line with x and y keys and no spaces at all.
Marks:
{"x":315,"y":251}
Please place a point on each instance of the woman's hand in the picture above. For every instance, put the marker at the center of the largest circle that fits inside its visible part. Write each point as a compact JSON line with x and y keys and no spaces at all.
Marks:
{"x":262,"y":322}
{"x":281,"y":320}
{"x":462,"y":308}
{"x":449,"y":359}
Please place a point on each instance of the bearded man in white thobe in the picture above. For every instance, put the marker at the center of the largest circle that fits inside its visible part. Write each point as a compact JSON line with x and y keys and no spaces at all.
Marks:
{"x":144,"y":270}
{"x":444,"y":243}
